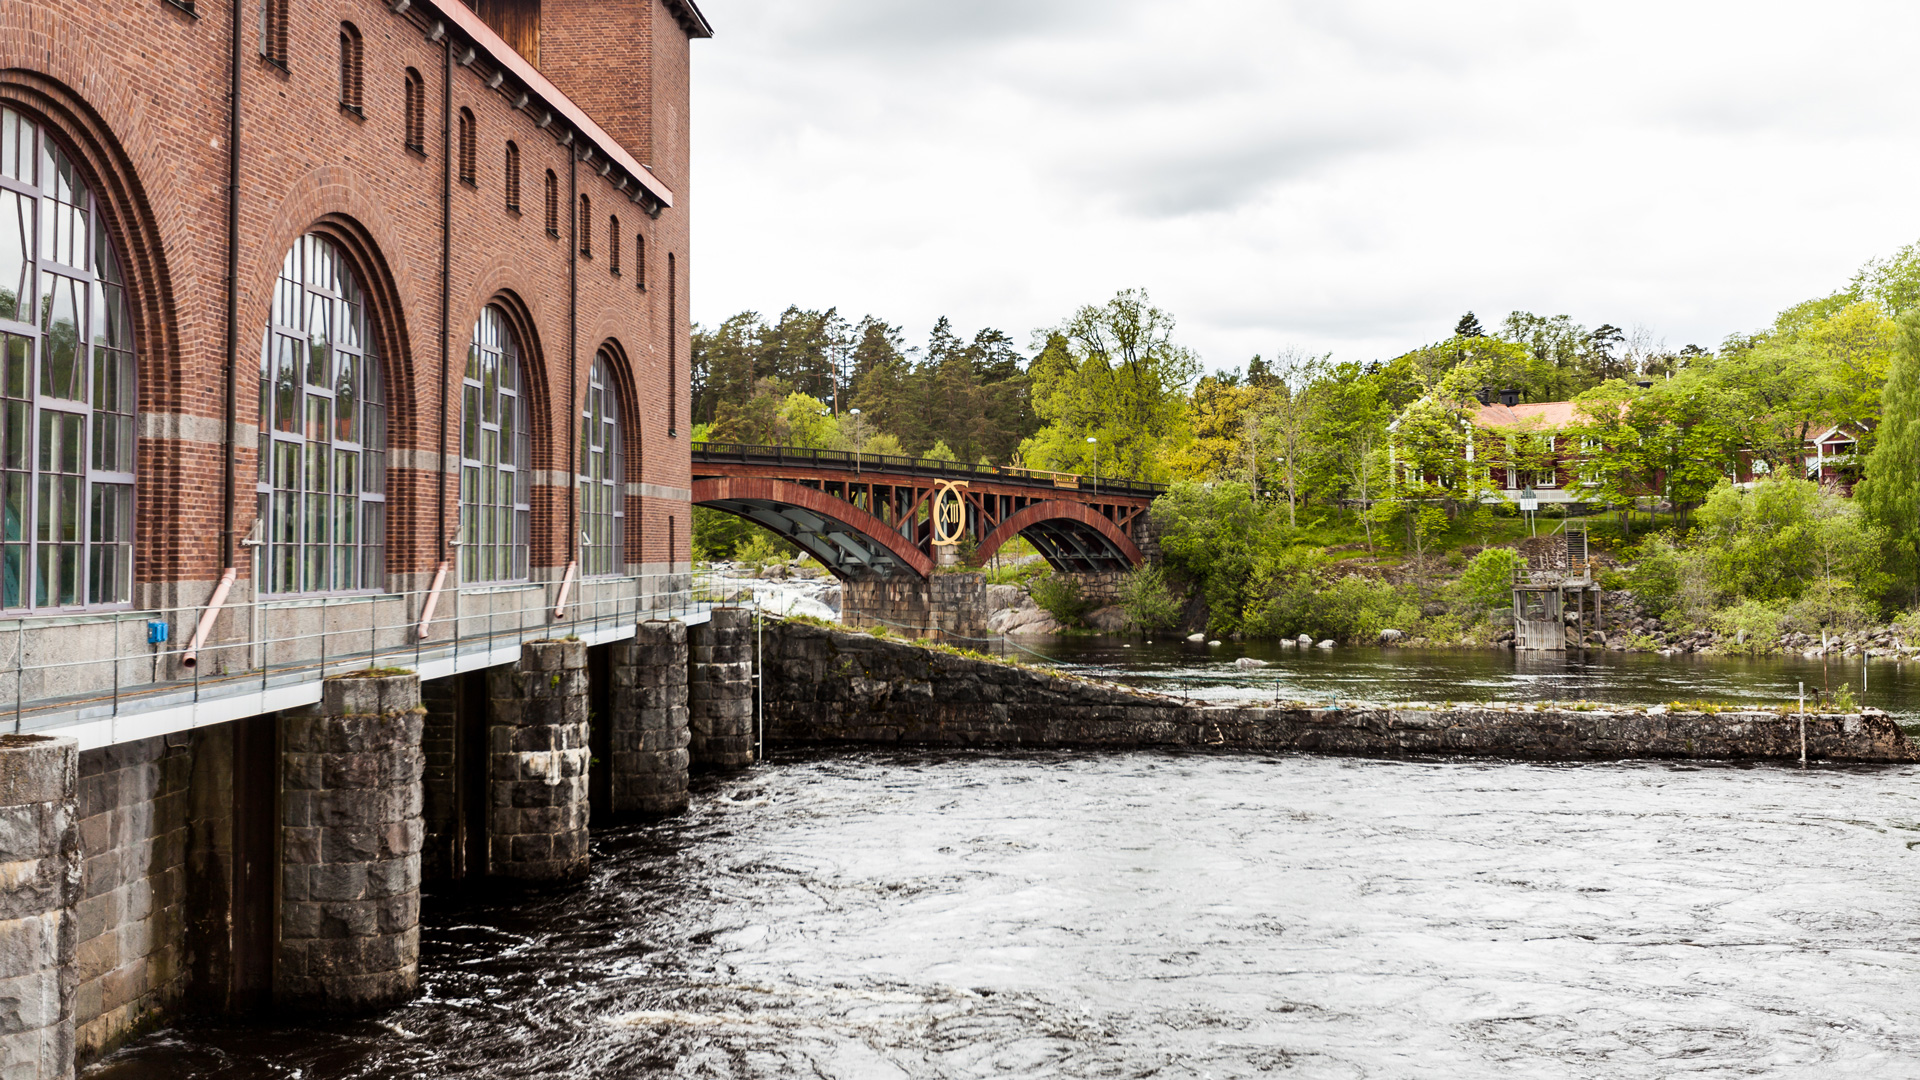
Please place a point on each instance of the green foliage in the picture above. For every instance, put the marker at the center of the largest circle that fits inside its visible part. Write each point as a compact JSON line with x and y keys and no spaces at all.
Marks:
{"x":717,"y":534}
{"x":1112,"y":373}
{"x":763,"y":549}
{"x":1775,"y":540}
{"x":1059,"y":595}
{"x":1751,"y":626}
{"x":1149,"y":599}
{"x":1216,"y":535}
{"x":1352,"y":608}
{"x":1890,"y":494}
{"x":1487,"y":581}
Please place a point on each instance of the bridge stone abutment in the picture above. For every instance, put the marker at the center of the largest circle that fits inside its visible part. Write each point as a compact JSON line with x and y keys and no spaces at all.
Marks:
{"x":40,"y":844}
{"x":945,"y":606}
{"x":350,"y":840}
{"x":648,"y":741}
{"x":537,"y":757}
{"x":720,"y":690}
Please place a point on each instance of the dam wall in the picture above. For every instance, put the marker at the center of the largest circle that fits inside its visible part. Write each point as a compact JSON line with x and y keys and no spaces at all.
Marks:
{"x":828,"y":687}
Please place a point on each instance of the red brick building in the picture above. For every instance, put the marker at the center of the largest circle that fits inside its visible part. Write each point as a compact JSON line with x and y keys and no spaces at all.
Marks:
{"x":334,"y":338}
{"x":444,"y":183}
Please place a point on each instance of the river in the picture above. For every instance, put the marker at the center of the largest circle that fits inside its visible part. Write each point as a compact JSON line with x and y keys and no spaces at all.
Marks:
{"x":1207,"y":672}
{"x":908,"y":914}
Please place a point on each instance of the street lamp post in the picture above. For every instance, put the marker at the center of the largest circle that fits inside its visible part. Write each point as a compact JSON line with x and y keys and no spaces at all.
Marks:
{"x":855,"y":413}
{"x":1091,"y":441}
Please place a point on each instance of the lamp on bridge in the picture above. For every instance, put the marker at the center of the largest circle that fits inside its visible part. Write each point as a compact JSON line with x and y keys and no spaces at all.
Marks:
{"x":855,"y":413}
{"x":1091,"y":441}
{"x":1529,"y":502}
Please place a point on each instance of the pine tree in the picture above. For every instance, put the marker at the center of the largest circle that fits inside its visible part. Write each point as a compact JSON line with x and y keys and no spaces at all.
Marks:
{"x":1890,"y":493}
{"x":1468,"y":326}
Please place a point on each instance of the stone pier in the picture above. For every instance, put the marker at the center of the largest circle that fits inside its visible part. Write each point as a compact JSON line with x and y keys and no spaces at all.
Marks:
{"x":40,"y":849}
{"x":946,"y":605}
{"x":351,"y":832}
{"x":649,"y":736}
{"x":721,"y":690}
{"x":537,"y":756}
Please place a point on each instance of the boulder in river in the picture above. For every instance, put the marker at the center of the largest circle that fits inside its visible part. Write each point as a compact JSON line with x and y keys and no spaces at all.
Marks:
{"x":1249,"y":662}
{"x":1111,"y":619}
{"x":1327,"y":644}
{"x":1196,"y":637}
{"x":1304,"y":639}
{"x":1390,"y":635}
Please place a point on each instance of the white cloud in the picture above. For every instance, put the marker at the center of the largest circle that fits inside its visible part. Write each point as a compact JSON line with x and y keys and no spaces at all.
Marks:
{"x":1343,"y":175}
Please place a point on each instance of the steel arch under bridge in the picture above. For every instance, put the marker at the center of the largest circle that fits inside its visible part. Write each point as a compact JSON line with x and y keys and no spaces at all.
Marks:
{"x":867,"y":516}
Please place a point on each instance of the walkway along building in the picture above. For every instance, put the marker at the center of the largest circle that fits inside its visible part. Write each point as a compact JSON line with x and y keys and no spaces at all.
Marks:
{"x":333,"y":338}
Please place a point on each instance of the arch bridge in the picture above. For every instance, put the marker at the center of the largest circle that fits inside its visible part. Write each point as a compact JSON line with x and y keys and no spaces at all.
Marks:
{"x":873,"y":517}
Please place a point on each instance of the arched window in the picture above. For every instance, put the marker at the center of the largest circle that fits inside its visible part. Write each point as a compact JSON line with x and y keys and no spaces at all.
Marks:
{"x":496,"y":457}
{"x":586,"y":227}
{"x":613,"y":245}
{"x":603,"y":490}
{"x":467,"y":149}
{"x":273,"y":31}
{"x":352,"y":81}
{"x":640,"y":261}
{"x":323,"y":432}
{"x":513,"y":178}
{"x":553,"y":205}
{"x":416,"y":113}
{"x":66,"y":385}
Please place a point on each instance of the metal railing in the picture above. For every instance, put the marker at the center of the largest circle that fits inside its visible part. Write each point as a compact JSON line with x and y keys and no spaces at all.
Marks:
{"x":889,"y":464}
{"x":104,"y":677}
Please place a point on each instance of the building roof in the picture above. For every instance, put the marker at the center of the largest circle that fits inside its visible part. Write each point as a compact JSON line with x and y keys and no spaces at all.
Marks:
{"x":1546,"y":414}
{"x":689,"y":15}
{"x":508,"y":60}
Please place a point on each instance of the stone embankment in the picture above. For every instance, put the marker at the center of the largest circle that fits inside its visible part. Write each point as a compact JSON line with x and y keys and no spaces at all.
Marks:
{"x":827,"y":687}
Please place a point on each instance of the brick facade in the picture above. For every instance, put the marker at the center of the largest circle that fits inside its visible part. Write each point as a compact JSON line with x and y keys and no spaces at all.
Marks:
{"x":137,"y":90}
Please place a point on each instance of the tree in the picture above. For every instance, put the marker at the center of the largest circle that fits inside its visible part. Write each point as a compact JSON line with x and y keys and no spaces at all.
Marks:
{"x":1111,"y":372}
{"x":1890,"y":493}
{"x":1290,"y":419}
{"x":1468,"y":327}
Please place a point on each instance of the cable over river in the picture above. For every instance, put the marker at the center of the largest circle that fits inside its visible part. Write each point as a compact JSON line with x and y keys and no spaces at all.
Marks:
{"x":1148,"y":914}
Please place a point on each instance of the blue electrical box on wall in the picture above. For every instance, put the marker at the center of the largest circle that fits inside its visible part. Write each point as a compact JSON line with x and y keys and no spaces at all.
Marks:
{"x":156,"y":633}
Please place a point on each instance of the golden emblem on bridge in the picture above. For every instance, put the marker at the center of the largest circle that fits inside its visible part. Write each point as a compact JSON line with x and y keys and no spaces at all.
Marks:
{"x":949,"y":512}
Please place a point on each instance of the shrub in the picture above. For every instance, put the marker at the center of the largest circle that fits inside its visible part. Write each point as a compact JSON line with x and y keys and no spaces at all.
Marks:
{"x":1487,"y":582}
{"x":1059,"y":596}
{"x":1149,"y":600}
{"x":1352,"y":608}
{"x":761,"y":550}
{"x":1753,"y":626}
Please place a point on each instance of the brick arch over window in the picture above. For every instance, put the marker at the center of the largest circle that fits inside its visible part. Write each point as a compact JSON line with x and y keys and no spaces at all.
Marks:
{"x":126,"y":213}
{"x":547,"y":450}
{"x":632,"y":456}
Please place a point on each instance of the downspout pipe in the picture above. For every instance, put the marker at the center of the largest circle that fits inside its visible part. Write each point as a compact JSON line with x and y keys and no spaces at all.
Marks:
{"x":446,"y":272}
{"x":231,"y":415}
{"x":573,"y":360}
{"x":191,"y":658}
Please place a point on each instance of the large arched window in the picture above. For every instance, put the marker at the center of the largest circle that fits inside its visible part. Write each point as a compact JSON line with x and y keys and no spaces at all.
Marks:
{"x":66,"y":385}
{"x":496,"y":457}
{"x":603,"y":491}
{"x":323,"y":432}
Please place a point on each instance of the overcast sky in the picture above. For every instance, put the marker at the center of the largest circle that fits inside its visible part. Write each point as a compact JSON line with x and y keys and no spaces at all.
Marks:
{"x":1337,"y":175}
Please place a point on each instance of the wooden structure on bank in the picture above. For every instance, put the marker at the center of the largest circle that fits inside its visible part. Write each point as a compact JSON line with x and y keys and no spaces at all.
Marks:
{"x":1558,"y":578}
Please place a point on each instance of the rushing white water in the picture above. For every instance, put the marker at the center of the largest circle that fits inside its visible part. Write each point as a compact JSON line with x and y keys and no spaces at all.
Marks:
{"x":1069,"y":915}
{"x":733,"y":583}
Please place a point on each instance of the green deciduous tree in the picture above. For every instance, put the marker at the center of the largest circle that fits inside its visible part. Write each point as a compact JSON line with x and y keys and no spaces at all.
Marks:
{"x":1112,"y":372}
{"x":1890,"y":494}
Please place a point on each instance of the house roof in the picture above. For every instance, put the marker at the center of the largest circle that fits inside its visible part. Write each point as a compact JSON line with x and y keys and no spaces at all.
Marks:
{"x":1546,"y":414}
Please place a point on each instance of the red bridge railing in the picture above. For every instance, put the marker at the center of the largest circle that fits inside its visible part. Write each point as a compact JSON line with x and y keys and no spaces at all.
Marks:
{"x":711,"y":453}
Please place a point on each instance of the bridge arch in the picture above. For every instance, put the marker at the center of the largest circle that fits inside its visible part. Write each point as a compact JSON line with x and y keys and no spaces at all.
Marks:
{"x":849,"y":541}
{"x":1071,"y":536}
